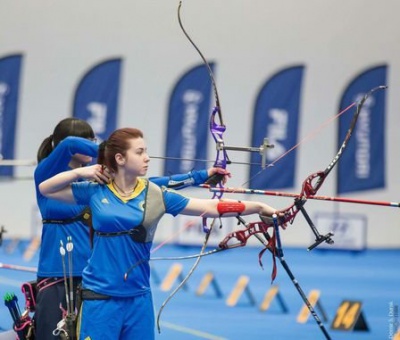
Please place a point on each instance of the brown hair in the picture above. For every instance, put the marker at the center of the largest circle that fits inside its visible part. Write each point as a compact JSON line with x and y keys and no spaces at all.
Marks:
{"x":118,"y":142}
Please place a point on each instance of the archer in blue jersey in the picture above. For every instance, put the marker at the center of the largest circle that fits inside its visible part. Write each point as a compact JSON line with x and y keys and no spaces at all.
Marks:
{"x":54,"y":213}
{"x":126,"y":209}
{"x":70,"y":146}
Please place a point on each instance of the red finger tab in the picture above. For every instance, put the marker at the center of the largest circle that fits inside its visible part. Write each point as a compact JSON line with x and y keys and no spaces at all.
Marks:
{"x":224,"y":207}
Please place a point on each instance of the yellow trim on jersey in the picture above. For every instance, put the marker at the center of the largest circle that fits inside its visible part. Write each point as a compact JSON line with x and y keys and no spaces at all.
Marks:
{"x":141,"y":185}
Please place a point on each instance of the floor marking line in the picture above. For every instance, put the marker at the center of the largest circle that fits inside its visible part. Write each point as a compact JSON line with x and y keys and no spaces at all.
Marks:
{"x":195,"y":332}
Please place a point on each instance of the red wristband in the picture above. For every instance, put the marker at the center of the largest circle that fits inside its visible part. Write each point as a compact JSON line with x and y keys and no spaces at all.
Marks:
{"x":224,"y":207}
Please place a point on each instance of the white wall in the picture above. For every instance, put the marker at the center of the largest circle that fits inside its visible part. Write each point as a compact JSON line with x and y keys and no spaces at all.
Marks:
{"x":249,"y":39}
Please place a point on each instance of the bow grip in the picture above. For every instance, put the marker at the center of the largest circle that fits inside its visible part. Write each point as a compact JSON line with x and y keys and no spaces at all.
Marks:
{"x":269,"y":221}
{"x":266,"y":220}
{"x":215,"y":179}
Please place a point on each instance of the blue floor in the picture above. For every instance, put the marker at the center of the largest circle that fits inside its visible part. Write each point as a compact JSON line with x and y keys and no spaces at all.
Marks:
{"x":371,"y":277}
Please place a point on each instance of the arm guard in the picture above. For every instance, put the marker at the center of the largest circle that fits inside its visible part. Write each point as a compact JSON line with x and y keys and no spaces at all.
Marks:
{"x":224,"y":207}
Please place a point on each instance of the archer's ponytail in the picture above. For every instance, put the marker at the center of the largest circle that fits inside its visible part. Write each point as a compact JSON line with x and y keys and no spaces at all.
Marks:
{"x":101,"y":153}
{"x":45,"y":148}
{"x":66,"y":127}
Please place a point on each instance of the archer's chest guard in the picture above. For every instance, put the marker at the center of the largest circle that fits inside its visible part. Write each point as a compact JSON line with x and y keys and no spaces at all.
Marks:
{"x":153,"y":210}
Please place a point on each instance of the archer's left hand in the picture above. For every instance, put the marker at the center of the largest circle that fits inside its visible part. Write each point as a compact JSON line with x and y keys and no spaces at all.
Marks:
{"x":267,"y":219}
{"x":219,"y":171}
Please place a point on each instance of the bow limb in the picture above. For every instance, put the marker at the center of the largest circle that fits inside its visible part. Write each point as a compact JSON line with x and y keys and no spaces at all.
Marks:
{"x":210,"y":72}
{"x":313,"y":183}
{"x":312,"y":188}
{"x":217,"y":128}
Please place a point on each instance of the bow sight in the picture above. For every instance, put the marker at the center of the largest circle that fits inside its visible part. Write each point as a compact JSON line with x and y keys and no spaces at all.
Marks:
{"x":262,"y":149}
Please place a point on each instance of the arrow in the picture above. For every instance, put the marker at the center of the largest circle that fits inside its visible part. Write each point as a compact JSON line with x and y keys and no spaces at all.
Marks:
{"x":16,"y":267}
{"x":312,"y":197}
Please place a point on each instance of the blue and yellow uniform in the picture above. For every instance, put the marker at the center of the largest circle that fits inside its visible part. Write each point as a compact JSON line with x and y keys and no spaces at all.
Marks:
{"x":124,"y":231}
{"x":51,"y":291}
{"x":61,"y":220}
{"x":52,"y":211}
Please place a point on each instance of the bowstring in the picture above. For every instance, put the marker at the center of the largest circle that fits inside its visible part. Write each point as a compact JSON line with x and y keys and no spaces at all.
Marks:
{"x":307,"y":138}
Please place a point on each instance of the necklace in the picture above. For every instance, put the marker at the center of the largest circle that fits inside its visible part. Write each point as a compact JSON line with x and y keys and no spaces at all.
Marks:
{"x":122,"y":192}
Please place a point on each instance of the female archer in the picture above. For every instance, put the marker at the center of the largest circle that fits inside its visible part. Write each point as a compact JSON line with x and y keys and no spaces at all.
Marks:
{"x":126,"y":209}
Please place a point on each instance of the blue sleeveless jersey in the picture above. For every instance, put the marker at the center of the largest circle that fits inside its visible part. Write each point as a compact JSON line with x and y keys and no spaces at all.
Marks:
{"x":113,"y":255}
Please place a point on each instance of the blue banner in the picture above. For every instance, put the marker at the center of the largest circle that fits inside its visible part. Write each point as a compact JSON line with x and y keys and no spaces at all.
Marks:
{"x":362,"y":165}
{"x":188,"y":122}
{"x":96,"y":97}
{"x":10,"y":69}
{"x":276,"y":117}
